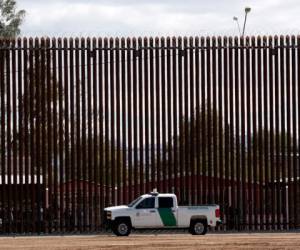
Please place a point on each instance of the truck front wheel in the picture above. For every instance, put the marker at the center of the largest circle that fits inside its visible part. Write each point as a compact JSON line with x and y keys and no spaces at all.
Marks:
{"x":121,"y":228}
{"x":198,"y":227}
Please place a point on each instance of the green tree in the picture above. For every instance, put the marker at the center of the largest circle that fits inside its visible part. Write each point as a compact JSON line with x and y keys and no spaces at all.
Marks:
{"x":10,"y":19}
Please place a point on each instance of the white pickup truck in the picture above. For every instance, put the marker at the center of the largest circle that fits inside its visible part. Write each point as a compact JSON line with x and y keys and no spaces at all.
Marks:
{"x":161,"y":211}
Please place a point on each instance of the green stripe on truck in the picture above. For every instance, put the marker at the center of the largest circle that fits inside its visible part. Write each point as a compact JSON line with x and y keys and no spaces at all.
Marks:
{"x":167,"y":217}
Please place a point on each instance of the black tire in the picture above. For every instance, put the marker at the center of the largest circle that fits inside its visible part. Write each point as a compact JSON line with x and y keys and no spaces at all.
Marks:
{"x":121,"y":228}
{"x":198,"y":227}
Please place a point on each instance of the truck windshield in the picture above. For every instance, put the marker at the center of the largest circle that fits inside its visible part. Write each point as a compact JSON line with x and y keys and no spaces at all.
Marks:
{"x":131,"y":204}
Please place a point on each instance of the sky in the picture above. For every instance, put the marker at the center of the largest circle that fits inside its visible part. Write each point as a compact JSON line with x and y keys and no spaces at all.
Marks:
{"x":157,"y":17}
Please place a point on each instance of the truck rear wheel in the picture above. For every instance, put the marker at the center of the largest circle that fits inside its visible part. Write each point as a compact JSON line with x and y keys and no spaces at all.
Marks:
{"x":198,"y":227}
{"x":121,"y":228}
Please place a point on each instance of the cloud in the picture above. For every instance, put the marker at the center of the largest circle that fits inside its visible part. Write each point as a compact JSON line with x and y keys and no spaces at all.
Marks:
{"x":156,"y":17}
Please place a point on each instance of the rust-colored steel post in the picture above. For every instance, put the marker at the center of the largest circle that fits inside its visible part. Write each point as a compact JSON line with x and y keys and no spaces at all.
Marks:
{"x":20,"y":110}
{"x":260,"y":149}
{"x":90,"y":162}
{"x":297,"y":151}
{"x":43,"y":83}
{"x":3,"y":115}
{"x":124,"y":123}
{"x":111,"y":120}
{"x":72,"y":181}
{"x":254,"y":127}
{"x":101,"y":179}
{"x":26,"y":134}
{"x":170,"y":114}
{"x":9,"y":147}
{"x":176,"y":172}
{"x":248,"y":134}
{"x":181,"y":118}
{"x":219,"y":85}
{"x":186,"y":124}
{"x":61,"y":142}
{"x":78,"y":138}
{"x":192,"y":179}
{"x":134,"y":119}
{"x":283,"y":130}
{"x":107,"y":178}
{"x":163,"y":115}
{"x":66,"y":119}
{"x":95,"y":138}
{"x":146,"y":112}
{"x":142,"y":115}
{"x":32,"y":135}
{"x":226,"y":189}
{"x":294,"y":179}
{"x":85,"y":160}
{"x":208,"y":119}
{"x":197,"y":145}
{"x":203,"y":124}
{"x":14,"y":173}
{"x":215,"y":162}
{"x":265,"y":133}
{"x":288,"y":98}
{"x":118,"y":121}
{"x":129,"y":112}
{"x":152,"y":112}
{"x":158,"y":113}
{"x":237,"y":112}
{"x":277,"y":133}
{"x":243,"y":132}
{"x":164,"y":98}
{"x":231,"y":114}
{"x":271,"y":133}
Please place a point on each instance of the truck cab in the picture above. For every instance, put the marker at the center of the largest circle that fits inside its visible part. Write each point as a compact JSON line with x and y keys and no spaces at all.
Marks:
{"x":161,"y":211}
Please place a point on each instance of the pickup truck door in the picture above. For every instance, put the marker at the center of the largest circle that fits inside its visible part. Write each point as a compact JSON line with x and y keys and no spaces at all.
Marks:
{"x":145,"y":214}
{"x":167,"y":212}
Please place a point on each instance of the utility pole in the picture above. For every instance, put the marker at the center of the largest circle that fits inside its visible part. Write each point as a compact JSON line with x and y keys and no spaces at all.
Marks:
{"x":237,"y":22}
{"x":247,"y":10}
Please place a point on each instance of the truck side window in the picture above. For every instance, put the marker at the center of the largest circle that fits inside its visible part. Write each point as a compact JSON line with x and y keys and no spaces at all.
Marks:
{"x":146,"y":203}
{"x":165,"y":202}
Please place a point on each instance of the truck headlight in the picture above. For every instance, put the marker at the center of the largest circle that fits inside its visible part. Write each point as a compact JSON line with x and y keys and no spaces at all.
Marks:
{"x":108,"y":215}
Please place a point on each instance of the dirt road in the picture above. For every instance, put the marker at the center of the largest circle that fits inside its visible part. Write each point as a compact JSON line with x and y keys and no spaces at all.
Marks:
{"x":161,"y":241}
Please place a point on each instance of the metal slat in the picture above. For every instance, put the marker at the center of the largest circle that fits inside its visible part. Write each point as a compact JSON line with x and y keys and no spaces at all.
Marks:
{"x":129,"y":112}
{"x":163,"y":69}
{"x":158,"y":111}
{"x":248,"y":134}
{"x":243,"y":135}
{"x":90,"y":160}
{"x":142,"y":116}
{"x":174,"y":83}
{"x":203,"y":125}
{"x":226,"y":136}
{"x":288,"y":133}
{"x":111,"y":120}
{"x":261,"y":150}
{"x":282,"y":152}
{"x":72,"y":137}
{"x":192,"y":180}
{"x":170,"y":112}
{"x":146,"y":111}
{"x":237,"y":106}
{"x":186,"y":124}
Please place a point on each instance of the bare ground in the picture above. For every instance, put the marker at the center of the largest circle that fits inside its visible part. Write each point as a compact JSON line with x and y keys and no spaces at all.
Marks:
{"x":160,"y":241}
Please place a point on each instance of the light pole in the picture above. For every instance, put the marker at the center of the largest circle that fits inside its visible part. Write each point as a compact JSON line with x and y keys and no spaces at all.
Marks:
{"x":247,"y":10}
{"x":238,"y":24}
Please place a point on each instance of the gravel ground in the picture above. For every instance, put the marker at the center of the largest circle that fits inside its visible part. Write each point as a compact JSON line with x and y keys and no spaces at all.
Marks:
{"x":159,"y":241}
